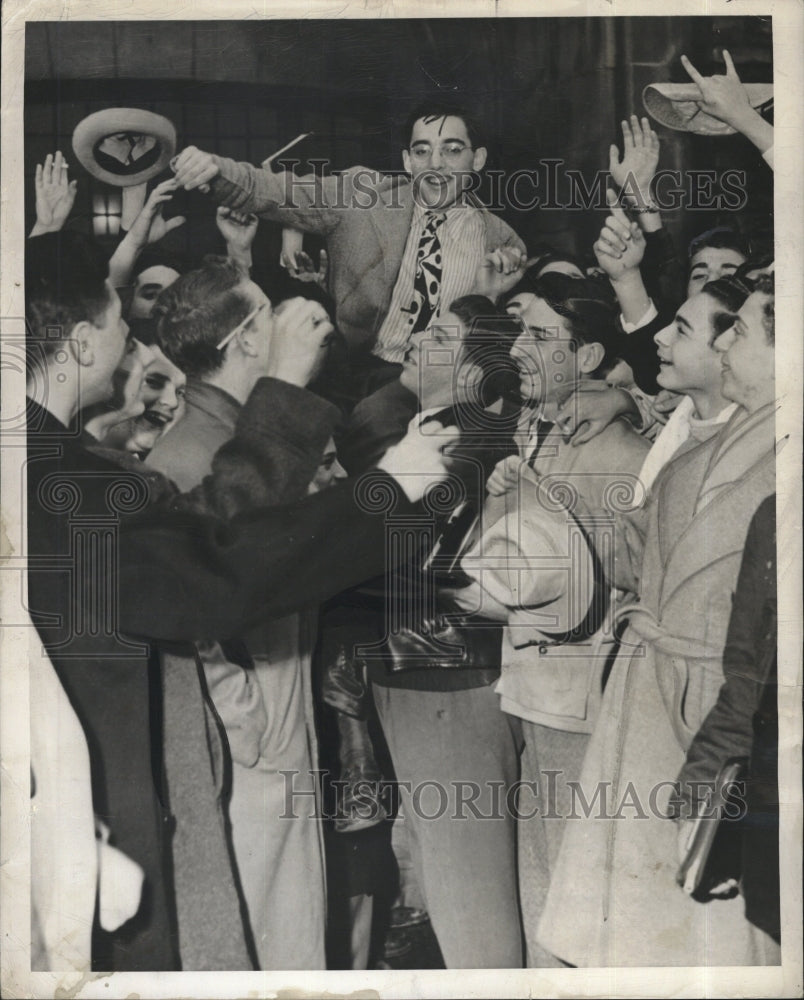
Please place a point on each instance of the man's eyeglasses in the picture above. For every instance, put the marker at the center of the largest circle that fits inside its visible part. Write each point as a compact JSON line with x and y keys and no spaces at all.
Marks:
{"x":450,"y":152}
{"x":240,"y":326}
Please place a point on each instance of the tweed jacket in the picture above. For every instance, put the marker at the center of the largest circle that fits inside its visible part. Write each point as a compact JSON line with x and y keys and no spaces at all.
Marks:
{"x":364,"y":217}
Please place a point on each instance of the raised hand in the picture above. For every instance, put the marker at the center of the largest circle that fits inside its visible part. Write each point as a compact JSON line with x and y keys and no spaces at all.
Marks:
{"x":499,"y":271}
{"x":127,"y":402}
{"x":591,"y":407}
{"x":300,"y":266}
{"x":722,"y":96}
{"x":237,"y":228}
{"x":634,"y":172}
{"x":194,"y":168}
{"x":301,"y":334}
{"x":55,"y":195}
{"x":150,"y":226}
{"x":621,"y":244}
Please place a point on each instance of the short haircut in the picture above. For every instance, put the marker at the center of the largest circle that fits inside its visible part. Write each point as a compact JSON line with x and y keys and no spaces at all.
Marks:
{"x":197,"y":311}
{"x":765,"y":284}
{"x":489,"y":338}
{"x":442,"y":107}
{"x":730,"y":293}
{"x":65,"y":284}
{"x":721,"y":237}
{"x":590,"y":315}
{"x":543,"y":255}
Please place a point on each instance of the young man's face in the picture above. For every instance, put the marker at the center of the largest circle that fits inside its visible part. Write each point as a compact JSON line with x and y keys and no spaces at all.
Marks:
{"x":546,"y":355}
{"x":440,"y":159}
{"x":747,"y":358}
{"x":687,"y":359}
{"x":710,"y":263}
{"x":432,"y":360}
{"x":147,"y":286}
{"x":329,"y":471}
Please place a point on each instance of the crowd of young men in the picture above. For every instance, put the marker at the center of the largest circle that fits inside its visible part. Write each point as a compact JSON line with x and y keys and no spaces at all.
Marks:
{"x":528,"y":570}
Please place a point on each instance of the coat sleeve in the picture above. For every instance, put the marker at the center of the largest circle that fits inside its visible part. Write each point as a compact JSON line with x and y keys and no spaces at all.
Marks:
{"x":748,"y":658}
{"x":242,"y":546}
{"x":307,"y":202}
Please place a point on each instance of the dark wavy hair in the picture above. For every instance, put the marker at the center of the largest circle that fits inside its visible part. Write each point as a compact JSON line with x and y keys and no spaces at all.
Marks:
{"x":590,"y":315}
{"x":444,"y":107}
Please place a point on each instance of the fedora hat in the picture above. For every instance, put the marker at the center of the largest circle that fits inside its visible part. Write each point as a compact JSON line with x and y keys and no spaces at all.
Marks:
{"x":678,"y":106}
{"x":124,"y":146}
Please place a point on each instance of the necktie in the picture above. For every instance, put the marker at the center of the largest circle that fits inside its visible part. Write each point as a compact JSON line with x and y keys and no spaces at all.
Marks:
{"x":543,"y":428}
{"x":427,"y":280}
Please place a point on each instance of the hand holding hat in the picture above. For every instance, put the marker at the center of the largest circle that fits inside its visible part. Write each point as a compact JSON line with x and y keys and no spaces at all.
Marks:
{"x":711,"y":105}
{"x":725,"y":97}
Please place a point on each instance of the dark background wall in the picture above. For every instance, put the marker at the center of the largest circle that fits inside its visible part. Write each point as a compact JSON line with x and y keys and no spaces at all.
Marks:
{"x":547,"y":87}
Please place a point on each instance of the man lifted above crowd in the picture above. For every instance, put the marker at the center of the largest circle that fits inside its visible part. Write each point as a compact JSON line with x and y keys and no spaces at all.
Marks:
{"x":399,"y":250}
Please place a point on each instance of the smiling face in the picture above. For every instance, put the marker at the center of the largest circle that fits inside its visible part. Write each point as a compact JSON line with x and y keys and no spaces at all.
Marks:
{"x":162,"y":393}
{"x":440,"y":159}
{"x":147,"y":286}
{"x":546,"y":354}
{"x":688,"y":361}
{"x":710,"y":263}
{"x":330,"y":470}
{"x":747,"y":356}
{"x":433,"y":360}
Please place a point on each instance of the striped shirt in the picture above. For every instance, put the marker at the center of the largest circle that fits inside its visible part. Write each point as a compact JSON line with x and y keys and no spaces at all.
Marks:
{"x":462,"y":237}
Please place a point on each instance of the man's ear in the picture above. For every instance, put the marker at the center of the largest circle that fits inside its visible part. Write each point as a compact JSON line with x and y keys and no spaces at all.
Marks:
{"x":590,"y":357}
{"x":82,"y":343}
{"x":247,"y":342}
{"x":406,"y":161}
{"x":479,"y":161}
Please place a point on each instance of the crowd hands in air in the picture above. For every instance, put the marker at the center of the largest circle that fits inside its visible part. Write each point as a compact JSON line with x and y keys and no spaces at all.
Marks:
{"x":619,"y":367}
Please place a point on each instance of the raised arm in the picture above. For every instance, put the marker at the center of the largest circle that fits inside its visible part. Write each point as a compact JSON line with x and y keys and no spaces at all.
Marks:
{"x":726,"y":98}
{"x":55,"y":195}
{"x":149,"y":227}
{"x":308,"y":203}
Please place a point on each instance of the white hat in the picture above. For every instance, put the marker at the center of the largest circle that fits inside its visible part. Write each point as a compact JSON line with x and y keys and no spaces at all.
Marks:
{"x":124,"y":146}
{"x":678,"y":106}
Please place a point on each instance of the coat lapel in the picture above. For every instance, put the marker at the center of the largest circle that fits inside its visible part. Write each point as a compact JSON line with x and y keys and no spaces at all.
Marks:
{"x":694,"y":540}
{"x":391,"y":223}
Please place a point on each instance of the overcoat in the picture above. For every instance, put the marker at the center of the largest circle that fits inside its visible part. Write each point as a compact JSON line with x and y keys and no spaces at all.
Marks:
{"x":613,"y":900}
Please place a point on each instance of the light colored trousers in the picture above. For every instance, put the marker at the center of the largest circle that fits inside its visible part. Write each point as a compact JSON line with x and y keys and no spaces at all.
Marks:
{"x":447,"y":744}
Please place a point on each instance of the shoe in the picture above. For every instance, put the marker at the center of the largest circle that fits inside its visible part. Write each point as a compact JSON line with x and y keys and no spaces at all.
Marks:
{"x":408,"y":916}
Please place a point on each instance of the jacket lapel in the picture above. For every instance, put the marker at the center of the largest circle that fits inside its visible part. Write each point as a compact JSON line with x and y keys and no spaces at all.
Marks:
{"x":391,"y":223}
{"x":694,"y":539}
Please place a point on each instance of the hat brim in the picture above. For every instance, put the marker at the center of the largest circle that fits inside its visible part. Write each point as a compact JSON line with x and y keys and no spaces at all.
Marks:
{"x":93,"y":129}
{"x":677,"y":105}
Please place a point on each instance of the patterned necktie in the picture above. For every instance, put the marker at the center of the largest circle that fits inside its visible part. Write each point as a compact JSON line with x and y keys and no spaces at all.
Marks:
{"x":427,"y":280}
